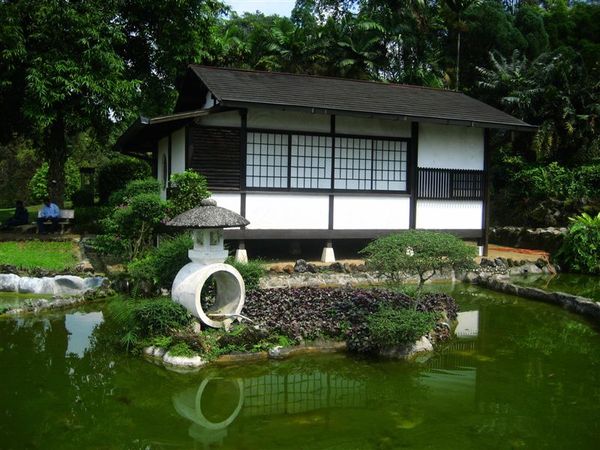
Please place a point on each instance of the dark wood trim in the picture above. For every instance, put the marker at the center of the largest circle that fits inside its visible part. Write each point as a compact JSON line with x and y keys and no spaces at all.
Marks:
{"x":311,"y":133}
{"x":487,"y":159}
{"x":243,"y":145}
{"x":169,"y":163}
{"x":449,"y":184}
{"x":188,"y":147}
{"x":332,"y":131}
{"x":155,"y":163}
{"x":413,"y":162}
{"x":250,"y":234}
{"x":243,"y":206}
{"x":331,"y":202}
{"x":308,"y":192}
{"x":323,"y":191}
{"x":289,"y":161}
{"x":330,"y":134}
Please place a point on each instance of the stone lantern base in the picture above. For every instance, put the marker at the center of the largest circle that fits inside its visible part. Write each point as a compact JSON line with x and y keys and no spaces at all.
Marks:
{"x":229,"y":297}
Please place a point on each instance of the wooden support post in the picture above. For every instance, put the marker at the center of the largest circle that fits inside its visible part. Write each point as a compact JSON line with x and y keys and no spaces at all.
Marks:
{"x":413,"y":174}
{"x":486,"y":191}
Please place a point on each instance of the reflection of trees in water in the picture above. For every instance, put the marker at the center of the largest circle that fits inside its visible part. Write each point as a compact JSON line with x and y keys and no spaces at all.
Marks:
{"x":47,"y":388}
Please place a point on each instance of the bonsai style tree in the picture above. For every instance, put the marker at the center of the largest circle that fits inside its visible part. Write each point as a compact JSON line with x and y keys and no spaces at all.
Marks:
{"x":422,"y":253}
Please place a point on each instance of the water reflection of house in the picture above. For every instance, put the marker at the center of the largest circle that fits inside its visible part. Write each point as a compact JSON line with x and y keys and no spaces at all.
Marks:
{"x":217,"y":404}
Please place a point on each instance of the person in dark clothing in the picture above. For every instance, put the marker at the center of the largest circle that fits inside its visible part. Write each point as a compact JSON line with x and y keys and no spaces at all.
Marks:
{"x":21,"y":216}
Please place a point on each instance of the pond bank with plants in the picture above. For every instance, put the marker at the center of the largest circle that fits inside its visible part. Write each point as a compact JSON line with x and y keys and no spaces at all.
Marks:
{"x":364,"y":321}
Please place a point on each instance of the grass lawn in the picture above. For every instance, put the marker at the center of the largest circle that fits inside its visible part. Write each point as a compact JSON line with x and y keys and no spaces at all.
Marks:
{"x":42,"y":254}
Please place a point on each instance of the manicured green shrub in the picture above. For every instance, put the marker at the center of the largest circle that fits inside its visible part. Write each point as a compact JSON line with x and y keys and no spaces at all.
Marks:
{"x":422,"y":253}
{"x":160,"y":265}
{"x":82,"y":198}
{"x":397,"y":326}
{"x":251,"y":272}
{"x":139,"y":320}
{"x":117,"y":172}
{"x":580,"y":251}
{"x":131,"y":228}
{"x":186,"y":191}
{"x":134,"y":188}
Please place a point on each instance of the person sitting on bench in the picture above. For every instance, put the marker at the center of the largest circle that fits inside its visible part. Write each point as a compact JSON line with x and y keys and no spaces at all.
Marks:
{"x":21,"y":217}
{"x":49,"y":212}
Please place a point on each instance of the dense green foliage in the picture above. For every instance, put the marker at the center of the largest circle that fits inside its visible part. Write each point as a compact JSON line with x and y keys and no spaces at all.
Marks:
{"x":251,"y":272}
{"x":397,"y":326}
{"x":61,"y":74}
{"x":139,"y":320}
{"x":117,"y":172}
{"x":421,"y":253}
{"x":38,"y":185}
{"x":134,"y":188}
{"x":186,"y":191}
{"x":159,"y":266}
{"x":543,"y":195}
{"x":131,"y":228}
{"x":18,"y":163}
{"x":580,"y":251}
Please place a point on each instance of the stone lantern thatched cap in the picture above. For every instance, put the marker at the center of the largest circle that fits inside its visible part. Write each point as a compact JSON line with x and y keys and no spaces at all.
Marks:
{"x":207,"y":215}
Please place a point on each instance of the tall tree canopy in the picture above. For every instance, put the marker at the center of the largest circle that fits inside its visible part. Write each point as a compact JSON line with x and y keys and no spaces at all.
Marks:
{"x":71,"y":65}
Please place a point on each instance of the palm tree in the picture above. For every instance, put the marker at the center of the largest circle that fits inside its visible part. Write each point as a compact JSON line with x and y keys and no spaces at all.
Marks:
{"x":458,"y":7}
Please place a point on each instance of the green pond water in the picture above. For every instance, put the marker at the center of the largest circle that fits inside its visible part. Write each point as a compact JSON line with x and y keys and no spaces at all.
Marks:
{"x":583,"y":285}
{"x":522,"y":374}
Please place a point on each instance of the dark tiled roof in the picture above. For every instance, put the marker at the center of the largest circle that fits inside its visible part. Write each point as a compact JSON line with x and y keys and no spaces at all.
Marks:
{"x":234,"y":87}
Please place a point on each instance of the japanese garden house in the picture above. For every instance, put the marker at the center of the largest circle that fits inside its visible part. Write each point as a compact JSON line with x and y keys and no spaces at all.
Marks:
{"x":306,"y":157}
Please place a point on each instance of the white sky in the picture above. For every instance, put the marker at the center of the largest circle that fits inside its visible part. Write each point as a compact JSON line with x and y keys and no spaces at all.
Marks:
{"x":280,"y":7}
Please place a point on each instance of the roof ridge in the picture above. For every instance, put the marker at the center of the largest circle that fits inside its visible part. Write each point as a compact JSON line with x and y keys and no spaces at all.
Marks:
{"x":304,"y":75}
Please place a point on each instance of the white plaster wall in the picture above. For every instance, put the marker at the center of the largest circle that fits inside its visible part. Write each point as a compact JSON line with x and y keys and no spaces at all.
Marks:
{"x":284,"y":211}
{"x":163,"y":150}
{"x":288,"y":120}
{"x":223,"y":119}
{"x":370,"y":212}
{"x":450,"y":147}
{"x":178,"y":151}
{"x":228,"y":200}
{"x":372,"y":126}
{"x":449,"y":215}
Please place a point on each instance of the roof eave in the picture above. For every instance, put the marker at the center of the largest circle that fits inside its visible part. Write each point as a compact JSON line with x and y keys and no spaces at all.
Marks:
{"x":144,"y":123}
{"x":477,"y":124}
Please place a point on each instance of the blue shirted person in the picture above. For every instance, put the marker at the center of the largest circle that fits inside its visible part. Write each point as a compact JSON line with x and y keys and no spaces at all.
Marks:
{"x":49,"y":212}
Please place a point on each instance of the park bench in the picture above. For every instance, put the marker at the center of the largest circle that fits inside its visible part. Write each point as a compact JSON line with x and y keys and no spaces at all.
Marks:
{"x":65,"y":220}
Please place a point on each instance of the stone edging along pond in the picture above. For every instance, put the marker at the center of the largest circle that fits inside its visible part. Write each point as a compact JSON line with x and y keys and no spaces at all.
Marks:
{"x":159,"y":356}
{"x":574,"y":303}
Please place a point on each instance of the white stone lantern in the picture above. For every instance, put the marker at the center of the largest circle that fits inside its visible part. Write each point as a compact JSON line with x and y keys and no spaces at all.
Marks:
{"x":207,"y":259}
